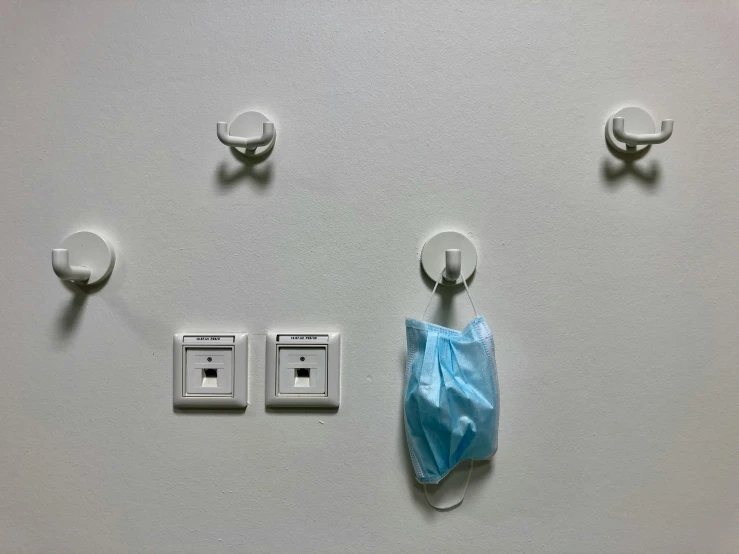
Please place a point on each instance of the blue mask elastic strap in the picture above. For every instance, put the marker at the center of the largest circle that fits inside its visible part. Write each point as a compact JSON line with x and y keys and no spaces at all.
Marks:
{"x":457,"y":501}
{"x":436,"y":284}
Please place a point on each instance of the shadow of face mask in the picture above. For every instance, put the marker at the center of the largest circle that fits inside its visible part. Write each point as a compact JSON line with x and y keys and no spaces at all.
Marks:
{"x":451,"y":397}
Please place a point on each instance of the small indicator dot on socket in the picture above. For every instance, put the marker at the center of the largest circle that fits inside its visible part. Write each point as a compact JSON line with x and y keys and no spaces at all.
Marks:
{"x":302,"y":358}
{"x":210,"y":359}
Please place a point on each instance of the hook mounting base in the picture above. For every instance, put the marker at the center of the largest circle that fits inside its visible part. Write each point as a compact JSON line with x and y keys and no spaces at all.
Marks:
{"x":433,"y":256}
{"x":249,"y":124}
{"x":92,"y":251}
{"x":639,"y":122}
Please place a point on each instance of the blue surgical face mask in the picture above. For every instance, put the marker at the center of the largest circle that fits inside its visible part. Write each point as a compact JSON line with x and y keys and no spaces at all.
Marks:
{"x":451,"y":396}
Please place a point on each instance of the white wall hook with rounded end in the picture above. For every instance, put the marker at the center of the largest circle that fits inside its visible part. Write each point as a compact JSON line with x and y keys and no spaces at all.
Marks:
{"x":450,"y":255}
{"x":632,"y":129}
{"x":252,"y":131}
{"x":453,"y":268}
{"x":84,"y":257}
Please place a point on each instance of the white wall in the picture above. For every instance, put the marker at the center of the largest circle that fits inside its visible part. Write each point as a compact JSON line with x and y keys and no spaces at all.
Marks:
{"x":612,"y":294}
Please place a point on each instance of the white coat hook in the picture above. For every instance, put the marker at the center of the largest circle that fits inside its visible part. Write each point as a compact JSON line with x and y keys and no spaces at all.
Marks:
{"x":66,"y":271}
{"x":453,"y":269}
{"x":450,"y":255}
{"x":252,"y":131}
{"x":632,"y":130}
{"x":85,"y":258}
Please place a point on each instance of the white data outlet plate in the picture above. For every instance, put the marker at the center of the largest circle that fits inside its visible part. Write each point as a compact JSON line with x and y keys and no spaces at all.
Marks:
{"x":209,"y":370}
{"x":303,"y":370}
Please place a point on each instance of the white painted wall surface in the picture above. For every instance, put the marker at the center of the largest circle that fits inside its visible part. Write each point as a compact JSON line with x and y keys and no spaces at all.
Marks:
{"x":612,"y":295}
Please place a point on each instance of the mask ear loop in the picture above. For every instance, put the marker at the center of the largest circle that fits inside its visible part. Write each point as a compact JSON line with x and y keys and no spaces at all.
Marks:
{"x":455,"y":502}
{"x":436,"y":284}
{"x":469,"y":296}
{"x":433,"y":291}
